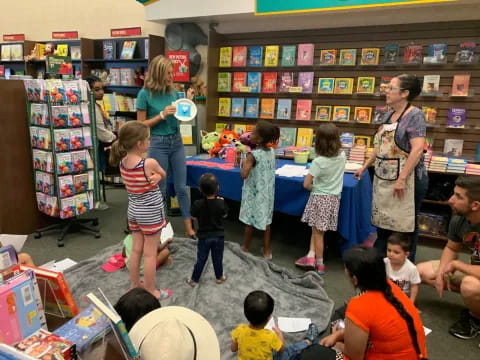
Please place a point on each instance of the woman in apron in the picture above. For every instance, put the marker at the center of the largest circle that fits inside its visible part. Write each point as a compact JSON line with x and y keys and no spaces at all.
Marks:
{"x":401,"y":180}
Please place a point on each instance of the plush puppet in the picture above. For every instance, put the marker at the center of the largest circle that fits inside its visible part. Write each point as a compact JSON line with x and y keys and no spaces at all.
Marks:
{"x":208,"y":139}
{"x":226,"y":138}
{"x":245,"y":140}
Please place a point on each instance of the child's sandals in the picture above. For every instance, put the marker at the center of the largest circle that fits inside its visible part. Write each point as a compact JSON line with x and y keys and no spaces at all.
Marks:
{"x":221,"y":280}
{"x":191,"y":282}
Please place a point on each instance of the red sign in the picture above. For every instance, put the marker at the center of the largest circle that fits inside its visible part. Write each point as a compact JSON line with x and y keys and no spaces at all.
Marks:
{"x":65,"y":35}
{"x":14,"y":37}
{"x":134,"y":31}
{"x":181,"y":65}
{"x":2,"y":70}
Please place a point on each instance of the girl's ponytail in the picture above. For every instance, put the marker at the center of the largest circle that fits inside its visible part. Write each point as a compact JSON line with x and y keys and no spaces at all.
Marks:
{"x":128,"y":136}
{"x":117,"y":153}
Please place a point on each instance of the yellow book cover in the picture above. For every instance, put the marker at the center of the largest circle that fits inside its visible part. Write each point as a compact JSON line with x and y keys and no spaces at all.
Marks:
{"x":343,"y":86}
{"x":363,"y":114}
{"x":107,"y":106}
{"x":17,"y":52}
{"x":186,"y":132}
{"x":6,"y":52}
{"x":219,"y":127}
{"x":361,"y":140}
{"x":225,"y":59}
{"x":304,"y":137}
{"x":224,"y":106}
{"x":267,"y":108}
{"x":370,"y":56}
{"x":341,"y":113}
{"x":62,"y":50}
{"x":365,"y":85}
{"x":271,"y":55}
{"x":40,"y":50}
{"x":323,"y":112}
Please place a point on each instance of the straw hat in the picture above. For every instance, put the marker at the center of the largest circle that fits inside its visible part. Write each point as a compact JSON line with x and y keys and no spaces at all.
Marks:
{"x":175,"y":332}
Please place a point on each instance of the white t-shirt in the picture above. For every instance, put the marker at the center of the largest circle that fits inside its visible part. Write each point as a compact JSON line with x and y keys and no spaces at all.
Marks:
{"x":403,"y":277}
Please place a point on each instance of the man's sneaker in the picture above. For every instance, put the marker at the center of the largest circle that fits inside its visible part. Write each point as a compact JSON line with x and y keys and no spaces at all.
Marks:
{"x":313,"y":334}
{"x":320,"y":269}
{"x":306,"y":262}
{"x":467,"y":327}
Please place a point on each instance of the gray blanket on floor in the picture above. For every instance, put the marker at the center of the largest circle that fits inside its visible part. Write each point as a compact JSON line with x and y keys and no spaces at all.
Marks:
{"x":221,"y":305}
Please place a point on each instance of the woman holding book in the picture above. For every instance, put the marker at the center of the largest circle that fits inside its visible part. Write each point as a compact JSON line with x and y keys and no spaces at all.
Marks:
{"x":401,"y":180}
{"x":155,"y":109}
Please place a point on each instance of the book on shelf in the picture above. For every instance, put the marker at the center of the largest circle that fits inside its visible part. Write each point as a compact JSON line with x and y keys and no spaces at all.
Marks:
{"x":251,"y":108}
{"x":225,"y":56}
{"x":436,"y":54}
{"x":16,"y":52}
{"x":343,"y":86}
{"x":59,"y":65}
{"x":219,"y":127}
{"x":267,"y":108}
{"x":45,"y":345}
{"x":305,"y":81}
{"x":453,"y":147}
{"x":346,"y":139}
{"x":288,"y":55}
{"x":304,"y":137}
{"x":254,"y":80}
{"x":457,"y":117}
{"x":239,"y":129}
{"x":323,"y":112}
{"x":347,"y":57}
{"x":328,"y":57}
{"x":466,"y":53}
{"x":239,"y":56}
{"x":341,"y":113}
{"x":109,"y":47}
{"x":6,"y":52}
{"x":284,"y":109}
{"x":412,"y":54}
{"x":238,"y":104}
{"x":379,"y":114}
{"x":460,"y":85}
{"x":326,"y":85}
{"x":115,"y":76}
{"x":431,"y":84}
{"x":127,"y":76}
{"x":75,"y":52}
{"x":391,"y":53}
{"x":384,"y":84}
{"x":361,"y":140}
{"x":305,"y":54}
{"x":304,"y":109}
{"x":363,"y":114}
{"x":255,"y":55}
{"x":128,"y":49}
{"x":224,"y":83}
{"x":369,"y":56}
{"x":286,"y":81}
{"x":269,"y":82}
{"x":428,"y":144}
{"x":430,"y":114}
{"x":61,"y":50}
{"x":365,"y":85}
{"x":271,"y":55}
{"x":288,"y":136}
{"x":224,"y":106}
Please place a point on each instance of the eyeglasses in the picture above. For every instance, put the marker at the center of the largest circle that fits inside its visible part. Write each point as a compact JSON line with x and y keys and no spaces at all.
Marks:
{"x":390,"y":88}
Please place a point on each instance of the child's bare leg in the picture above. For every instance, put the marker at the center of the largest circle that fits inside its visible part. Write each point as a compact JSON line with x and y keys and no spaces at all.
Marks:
{"x":150,"y":247}
{"x":318,"y":239}
{"x":311,"y":251}
{"x":267,"y":250}
{"x":247,"y":238}
{"x":25,"y":259}
{"x":162,"y":256}
{"x":135,"y":258}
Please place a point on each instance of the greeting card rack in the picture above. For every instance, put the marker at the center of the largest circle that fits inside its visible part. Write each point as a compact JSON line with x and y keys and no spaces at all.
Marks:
{"x":63,"y":141}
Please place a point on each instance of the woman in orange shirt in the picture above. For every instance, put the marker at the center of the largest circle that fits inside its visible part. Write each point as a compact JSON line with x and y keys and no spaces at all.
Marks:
{"x":381,"y":322}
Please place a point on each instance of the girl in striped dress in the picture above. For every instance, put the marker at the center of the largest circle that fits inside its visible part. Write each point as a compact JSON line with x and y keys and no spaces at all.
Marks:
{"x":146,"y":214}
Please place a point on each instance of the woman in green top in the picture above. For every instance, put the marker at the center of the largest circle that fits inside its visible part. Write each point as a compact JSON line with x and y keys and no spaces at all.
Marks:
{"x":155,"y":109}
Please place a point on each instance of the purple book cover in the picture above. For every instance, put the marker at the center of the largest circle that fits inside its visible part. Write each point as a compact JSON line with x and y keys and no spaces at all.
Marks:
{"x":286,"y":80}
{"x":457,"y":117}
{"x":305,"y":80}
{"x":8,"y":257}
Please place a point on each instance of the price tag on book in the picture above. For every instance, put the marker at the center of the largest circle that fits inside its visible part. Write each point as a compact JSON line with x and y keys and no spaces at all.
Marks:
{"x":245,"y":89}
{"x":295,"y":89}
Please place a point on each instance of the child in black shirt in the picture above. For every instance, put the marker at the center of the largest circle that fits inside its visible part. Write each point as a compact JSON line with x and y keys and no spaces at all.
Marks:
{"x":209,"y":212}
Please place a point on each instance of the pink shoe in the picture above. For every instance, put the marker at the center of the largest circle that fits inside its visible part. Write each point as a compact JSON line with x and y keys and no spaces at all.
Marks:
{"x":306,"y":262}
{"x":320,"y":269}
{"x":165,"y":294}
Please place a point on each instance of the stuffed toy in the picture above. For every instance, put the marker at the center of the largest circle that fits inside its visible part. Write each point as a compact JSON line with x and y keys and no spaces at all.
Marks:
{"x":208,"y":139}
{"x":239,"y":147}
{"x":245,"y":140}
{"x":226,"y":138}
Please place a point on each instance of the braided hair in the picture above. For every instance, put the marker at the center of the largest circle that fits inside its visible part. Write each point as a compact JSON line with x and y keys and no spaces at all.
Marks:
{"x":367,"y":265}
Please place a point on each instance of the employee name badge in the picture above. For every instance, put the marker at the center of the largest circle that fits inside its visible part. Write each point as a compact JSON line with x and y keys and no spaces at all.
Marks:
{"x":186,"y":109}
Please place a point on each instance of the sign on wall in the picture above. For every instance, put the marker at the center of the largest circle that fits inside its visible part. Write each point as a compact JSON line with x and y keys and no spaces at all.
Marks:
{"x":268,"y":7}
{"x":181,"y":65}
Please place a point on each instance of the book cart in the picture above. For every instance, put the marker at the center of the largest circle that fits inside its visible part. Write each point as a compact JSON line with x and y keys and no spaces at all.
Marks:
{"x":63,"y":141}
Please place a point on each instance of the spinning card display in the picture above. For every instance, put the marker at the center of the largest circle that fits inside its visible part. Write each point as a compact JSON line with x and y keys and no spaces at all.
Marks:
{"x":186,"y":109}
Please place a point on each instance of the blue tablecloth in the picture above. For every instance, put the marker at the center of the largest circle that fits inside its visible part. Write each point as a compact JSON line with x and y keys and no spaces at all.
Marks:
{"x":290,"y":196}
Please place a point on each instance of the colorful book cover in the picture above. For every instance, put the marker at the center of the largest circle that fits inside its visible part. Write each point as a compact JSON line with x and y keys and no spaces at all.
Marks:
{"x":304,"y":109}
{"x":62,"y":50}
{"x":284,"y":109}
{"x":304,"y":137}
{"x":239,"y":81}
{"x":288,"y":136}
{"x":305,"y":81}
{"x":64,"y":163}
{"x":436,"y":54}
{"x":288,"y":55}
{"x":457,"y":117}
{"x":412,"y":54}
{"x":346,"y":138}
{"x":431,"y":84}
{"x":370,"y":56}
{"x":8,"y":257}
{"x":34,"y":136}
{"x":391,"y":53}
{"x":328,"y":57}
{"x":41,"y":201}
{"x":44,"y":139}
{"x":77,"y":140}
{"x":323,"y":113}
{"x":17,"y":52}
{"x":348,"y":57}
{"x":430,"y":114}
{"x":225,"y":59}
{"x":361,"y":140}
{"x":343,"y":86}
{"x":239,"y":129}
{"x":65,"y":186}
{"x":75,"y":52}
{"x":224,"y":106}
{"x":251,"y":108}
{"x":460,"y":85}
{"x":42,"y":344}
{"x":466,"y":53}
{"x":428,"y":144}
{"x":453,"y":147}
{"x":82,"y":204}
{"x":384,"y":84}
{"x":61,"y":65}
{"x":253,"y":81}
{"x":181,"y":66}
{"x":305,"y":54}
{"x":62,"y":139}
{"x":128,"y":49}
{"x":286,"y":81}
{"x":38,"y":114}
{"x":224,"y":83}
{"x":109,"y":47}
{"x":239,"y":56}
{"x":365,"y":85}
{"x":74,"y":116}
{"x":72,"y":92}
{"x":326,"y":85}
{"x":255,"y":55}
{"x":67,"y":209}
{"x":56,"y":90}
{"x":341,"y":113}
{"x":271,"y":55}
{"x":47,"y":184}
{"x":85,"y":113}
{"x":363,"y":114}
{"x":80,"y":183}
{"x":79,"y":160}
{"x":238,"y":104}
{"x":269,"y":82}
{"x":267,"y":108}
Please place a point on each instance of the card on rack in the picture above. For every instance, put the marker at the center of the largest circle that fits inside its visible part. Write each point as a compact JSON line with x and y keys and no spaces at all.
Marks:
{"x":391,"y":52}
{"x":348,"y":57}
{"x":56,"y":90}
{"x":60,"y":116}
{"x":284,"y":109}
{"x":239,"y":81}
{"x":79,"y":160}
{"x":365,"y":85}
{"x":304,"y":137}
{"x":239,"y":56}
{"x":288,"y":55}
{"x":225,"y":59}
{"x":363,"y":114}
{"x":44,"y":140}
{"x":267,"y":108}
{"x":224,"y":83}
{"x":328,"y":57}
{"x":286,"y":81}
{"x":341,"y":113}
{"x":91,"y":179}
{"x":77,"y":141}
{"x":85,"y":113}
{"x":64,"y":163}
{"x":80,"y":182}
{"x":72,"y":92}
{"x":431,"y":84}
{"x":271,"y":55}
{"x":82,"y":204}
{"x":255,"y":55}
{"x":466,"y":53}
{"x":305,"y":81}
{"x":323,"y":112}
{"x":224,"y":106}
{"x":67,"y":208}
{"x":304,"y":109}
{"x":48,"y":187}
{"x":412,"y":54}
{"x":87,"y":136}
{"x":326,"y":85}
{"x":254,"y":80}
{"x":65,"y":186}
{"x":269,"y":82}
{"x":62,"y":139}
{"x":343,"y":86}
{"x":457,"y":117}
{"x":238,"y":104}
{"x":305,"y":54}
{"x":288,"y":136}
{"x":74,"y":116}
{"x":460,"y":85}
{"x":370,"y":56}
{"x":34,"y":136}
{"x":251,"y":108}
{"x":41,"y":201}
{"x":38,"y":114}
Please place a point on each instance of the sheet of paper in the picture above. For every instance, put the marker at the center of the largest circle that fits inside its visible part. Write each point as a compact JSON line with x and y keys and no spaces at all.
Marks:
{"x":292,"y":171}
{"x":16,"y":240}
{"x":59,"y":266}
{"x":287,"y":324}
{"x":270,"y":324}
{"x":427,"y":330}
{"x":167,"y":233}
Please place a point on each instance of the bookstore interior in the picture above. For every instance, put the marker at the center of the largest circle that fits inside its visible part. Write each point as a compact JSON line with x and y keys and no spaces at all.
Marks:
{"x":310,"y":91}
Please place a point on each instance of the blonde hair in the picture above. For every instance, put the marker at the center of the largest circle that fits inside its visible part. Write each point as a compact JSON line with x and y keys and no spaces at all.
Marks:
{"x":156,"y":80}
{"x":128,"y":136}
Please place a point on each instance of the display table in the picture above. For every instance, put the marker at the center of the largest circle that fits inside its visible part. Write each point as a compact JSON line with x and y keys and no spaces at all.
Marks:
{"x":290,"y":196}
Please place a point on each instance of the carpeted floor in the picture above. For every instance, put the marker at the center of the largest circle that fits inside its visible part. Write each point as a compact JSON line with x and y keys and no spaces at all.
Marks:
{"x":221,"y":305}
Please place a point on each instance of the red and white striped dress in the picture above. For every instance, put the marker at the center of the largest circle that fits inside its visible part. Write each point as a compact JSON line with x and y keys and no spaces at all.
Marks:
{"x":146,"y":211}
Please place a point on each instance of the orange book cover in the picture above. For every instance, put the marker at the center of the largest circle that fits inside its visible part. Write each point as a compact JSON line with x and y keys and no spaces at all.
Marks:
{"x":267,"y":108}
{"x":460,"y":85}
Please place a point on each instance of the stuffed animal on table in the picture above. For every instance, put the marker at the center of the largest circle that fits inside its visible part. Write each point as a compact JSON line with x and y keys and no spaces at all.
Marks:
{"x":209,"y":139}
{"x":226,"y":138}
{"x":246,"y":140}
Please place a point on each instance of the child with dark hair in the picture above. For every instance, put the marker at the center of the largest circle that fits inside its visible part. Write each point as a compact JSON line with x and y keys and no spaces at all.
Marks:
{"x":134,"y":304}
{"x":209,"y":212}
{"x":253,"y":341}
{"x":399,"y":269}
{"x":325,"y":182}
{"x":258,"y":173}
